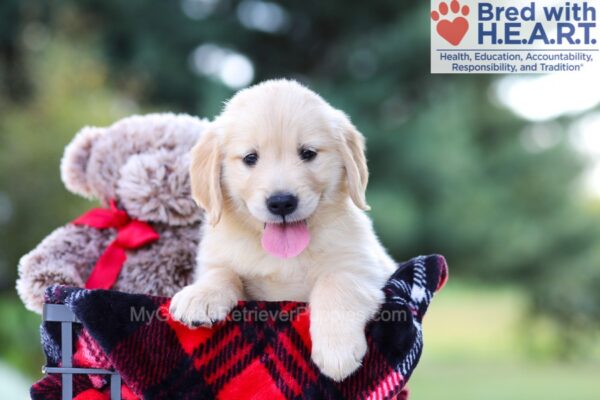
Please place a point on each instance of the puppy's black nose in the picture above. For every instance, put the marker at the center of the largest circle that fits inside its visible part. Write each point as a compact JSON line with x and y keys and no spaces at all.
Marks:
{"x":282,"y":204}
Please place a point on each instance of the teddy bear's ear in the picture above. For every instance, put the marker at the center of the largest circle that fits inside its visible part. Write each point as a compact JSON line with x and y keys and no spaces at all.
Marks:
{"x":73,"y":166}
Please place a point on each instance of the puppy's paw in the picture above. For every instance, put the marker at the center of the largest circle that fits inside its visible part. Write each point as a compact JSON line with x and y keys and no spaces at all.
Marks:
{"x":338,"y":352}
{"x":198,"y":305}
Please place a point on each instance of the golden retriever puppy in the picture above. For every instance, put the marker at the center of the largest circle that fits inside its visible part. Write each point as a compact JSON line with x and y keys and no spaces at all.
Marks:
{"x":281,"y":175}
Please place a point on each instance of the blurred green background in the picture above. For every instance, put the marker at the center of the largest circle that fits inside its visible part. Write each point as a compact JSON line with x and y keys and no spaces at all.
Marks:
{"x":500,"y":174}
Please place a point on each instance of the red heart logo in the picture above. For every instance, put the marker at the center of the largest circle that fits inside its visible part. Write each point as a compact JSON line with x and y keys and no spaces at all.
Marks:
{"x":453,"y":31}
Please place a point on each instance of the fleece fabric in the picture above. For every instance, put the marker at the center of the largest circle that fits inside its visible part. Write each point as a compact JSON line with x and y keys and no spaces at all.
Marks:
{"x":261,"y":352}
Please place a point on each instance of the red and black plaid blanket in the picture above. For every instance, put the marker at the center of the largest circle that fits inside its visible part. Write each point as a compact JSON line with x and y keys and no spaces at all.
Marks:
{"x":261,"y":353}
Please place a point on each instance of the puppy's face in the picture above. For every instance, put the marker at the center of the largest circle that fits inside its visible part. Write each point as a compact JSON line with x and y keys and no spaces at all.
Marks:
{"x":280,"y":160}
{"x":277,"y":153}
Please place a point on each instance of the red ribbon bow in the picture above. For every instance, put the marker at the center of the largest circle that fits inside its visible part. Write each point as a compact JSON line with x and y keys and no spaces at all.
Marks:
{"x":131,"y":234}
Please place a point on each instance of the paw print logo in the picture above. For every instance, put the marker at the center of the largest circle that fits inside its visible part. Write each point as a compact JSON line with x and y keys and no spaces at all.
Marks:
{"x":453,"y":30}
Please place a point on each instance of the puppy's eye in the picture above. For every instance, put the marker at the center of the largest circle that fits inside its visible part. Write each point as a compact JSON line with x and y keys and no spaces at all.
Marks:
{"x":250,"y":159}
{"x":307,"y":154}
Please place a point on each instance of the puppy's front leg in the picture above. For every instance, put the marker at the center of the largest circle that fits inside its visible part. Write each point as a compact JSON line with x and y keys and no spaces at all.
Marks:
{"x":209,"y":299}
{"x":341,"y":304}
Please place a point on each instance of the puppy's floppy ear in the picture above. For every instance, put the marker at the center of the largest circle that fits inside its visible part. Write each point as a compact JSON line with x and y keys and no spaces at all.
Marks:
{"x":205,"y":174}
{"x":74,"y":163}
{"x":355,"y":162}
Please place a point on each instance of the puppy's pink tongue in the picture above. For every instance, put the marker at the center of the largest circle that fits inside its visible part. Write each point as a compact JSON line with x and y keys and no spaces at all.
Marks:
{"x":285,"y":240}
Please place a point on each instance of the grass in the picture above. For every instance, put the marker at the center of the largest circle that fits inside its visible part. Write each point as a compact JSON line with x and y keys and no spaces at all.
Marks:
{"x":474,"y":351}
{"x":479,"y":380}
{"x":20,"y":337}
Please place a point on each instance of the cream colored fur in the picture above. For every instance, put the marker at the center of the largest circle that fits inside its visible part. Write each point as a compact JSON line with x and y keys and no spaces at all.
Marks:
{"x":343,"y":269}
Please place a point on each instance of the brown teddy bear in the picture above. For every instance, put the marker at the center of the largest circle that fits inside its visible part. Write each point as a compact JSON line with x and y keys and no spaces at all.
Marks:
{"x":146,"y":242}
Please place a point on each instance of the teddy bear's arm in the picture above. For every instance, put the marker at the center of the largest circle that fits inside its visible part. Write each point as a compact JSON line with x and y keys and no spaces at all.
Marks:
{"x":64,"y":257}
